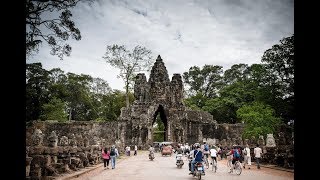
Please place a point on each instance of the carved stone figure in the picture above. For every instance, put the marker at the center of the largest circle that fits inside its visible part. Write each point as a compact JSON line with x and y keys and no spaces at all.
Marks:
{"x":53,"y":139}
{"x":64,"y":141}
{"x":72,"y":140}
{"x":270,"y":141}
{"x":281,"y":138}
{"x":37,"y":138}
{"x":261,"y":141}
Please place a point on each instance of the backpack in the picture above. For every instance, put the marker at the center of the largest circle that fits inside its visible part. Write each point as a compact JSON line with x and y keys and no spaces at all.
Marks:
{"x":206,"y":147}
{"x":236,"y":153}
{"x":112,"y":152}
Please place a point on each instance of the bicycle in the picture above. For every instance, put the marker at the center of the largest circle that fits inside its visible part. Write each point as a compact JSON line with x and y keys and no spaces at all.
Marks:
{"x":237,"y":167}
{"x":214,"y":165}
{"x":206,"y":161}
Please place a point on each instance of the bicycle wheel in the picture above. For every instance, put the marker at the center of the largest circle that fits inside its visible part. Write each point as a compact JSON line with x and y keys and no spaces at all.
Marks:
{"x":207,"y":163}
{"x":238,"y":168}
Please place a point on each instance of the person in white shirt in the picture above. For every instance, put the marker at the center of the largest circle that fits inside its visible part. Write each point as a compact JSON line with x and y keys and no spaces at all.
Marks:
{"x":247,"y":157}
{"x":128,"y":150}
{"x":213,"y":154}
{"x":257,"y":154}
{"x":135,"y":150}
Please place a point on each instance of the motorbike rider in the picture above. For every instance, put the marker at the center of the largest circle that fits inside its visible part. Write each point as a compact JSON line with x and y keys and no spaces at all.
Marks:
{"x":198,"y":157}
{"x":178,"y":150}
{"x":190,"y":156}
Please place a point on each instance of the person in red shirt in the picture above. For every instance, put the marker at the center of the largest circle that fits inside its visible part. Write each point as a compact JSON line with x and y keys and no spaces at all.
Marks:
{"x":234,"y":158}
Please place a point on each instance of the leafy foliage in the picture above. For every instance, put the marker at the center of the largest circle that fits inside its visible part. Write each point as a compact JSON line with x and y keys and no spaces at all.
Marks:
{"x":129,"y":63}
{"x":159,"y":126}
{"x":271,"y":83}
{"x":259,"y":119}
{"x":206,"y":81}
{"x":54,"y":110}
{"x":82,"y":96}
{"x":42,"y":24}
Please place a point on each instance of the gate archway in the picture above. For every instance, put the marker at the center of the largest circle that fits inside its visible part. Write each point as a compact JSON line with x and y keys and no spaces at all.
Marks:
{"x":160,"y":119}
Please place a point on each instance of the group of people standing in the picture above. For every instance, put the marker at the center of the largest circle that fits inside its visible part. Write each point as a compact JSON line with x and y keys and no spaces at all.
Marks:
{"x":112,"y":154}
{"x":128,"y":150}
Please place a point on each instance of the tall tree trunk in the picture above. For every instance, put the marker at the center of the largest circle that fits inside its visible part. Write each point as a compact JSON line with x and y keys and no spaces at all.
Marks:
{"x":127,"y":95}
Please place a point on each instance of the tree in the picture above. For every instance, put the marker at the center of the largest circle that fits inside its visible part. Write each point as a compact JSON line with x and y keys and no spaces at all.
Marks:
{"x":237,"y":72}
{"x":128,"y":62}
{"x":54,"y":110}
{"x":206,"y":81}
{"x":259,"y":119}
{"x":43,"y":25}
{"x":78,"y":96}
{"x":37,"y":90}
{"x":280,"y":64}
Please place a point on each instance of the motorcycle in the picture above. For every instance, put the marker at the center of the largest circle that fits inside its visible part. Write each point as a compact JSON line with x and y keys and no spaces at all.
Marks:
{"x":198,"y":170}
{"x":151,"y":156}
{"x":179,"y":161}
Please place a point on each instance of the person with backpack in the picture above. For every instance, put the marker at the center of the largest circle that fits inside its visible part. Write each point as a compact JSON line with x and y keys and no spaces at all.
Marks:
{"x":113,"y":154}
{"x":235,"y":156}
{"x":197,"y":157}
{"x":206,"y":149}
{"x":105,"y":157}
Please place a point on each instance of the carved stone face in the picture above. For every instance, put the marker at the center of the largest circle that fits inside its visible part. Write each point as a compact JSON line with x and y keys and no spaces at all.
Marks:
{"x":72,"y":140}
{"x":64,"y":141}
{"x":53,"y":139}
{"x":37,"y":137}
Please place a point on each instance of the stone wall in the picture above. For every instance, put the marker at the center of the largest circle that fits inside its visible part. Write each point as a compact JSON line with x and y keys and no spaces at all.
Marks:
{"x":54,"y":148}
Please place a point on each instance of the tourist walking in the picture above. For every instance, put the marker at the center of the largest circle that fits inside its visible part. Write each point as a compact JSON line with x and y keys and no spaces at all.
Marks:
{"x":229,"y":159}
{"x":135,"y":150}
{"x":113,"y":155}
{"x":247,"y":157}
{"x":105,"y":157}
{"x":257,"y":154}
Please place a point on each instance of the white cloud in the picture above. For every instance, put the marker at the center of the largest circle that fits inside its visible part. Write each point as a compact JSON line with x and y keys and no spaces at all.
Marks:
{"x":184,"y":33}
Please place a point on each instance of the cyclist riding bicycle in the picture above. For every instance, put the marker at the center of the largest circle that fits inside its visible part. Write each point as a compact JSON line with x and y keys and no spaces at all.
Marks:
{"x":236,"y":152}
{"x":213,"y":153}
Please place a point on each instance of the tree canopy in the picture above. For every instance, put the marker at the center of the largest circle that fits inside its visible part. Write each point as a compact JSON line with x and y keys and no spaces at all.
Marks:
{"x":271,"y":83}
{"x":56,"y":95}
{"x":129,"y":63}
{"x":43,"y":24}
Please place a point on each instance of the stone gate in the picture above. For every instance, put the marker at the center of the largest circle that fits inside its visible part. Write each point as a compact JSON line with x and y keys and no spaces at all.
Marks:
{"x":161,"y":96}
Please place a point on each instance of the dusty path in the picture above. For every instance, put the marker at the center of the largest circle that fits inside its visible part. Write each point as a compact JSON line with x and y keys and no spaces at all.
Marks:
{"x":164,"y":168}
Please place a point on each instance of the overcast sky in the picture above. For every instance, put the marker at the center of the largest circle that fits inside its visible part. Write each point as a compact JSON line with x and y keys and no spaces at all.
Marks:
{"x":184,"y":32}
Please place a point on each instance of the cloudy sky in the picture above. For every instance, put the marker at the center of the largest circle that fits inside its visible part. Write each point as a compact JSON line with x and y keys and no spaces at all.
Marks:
{"x":184,"y":32}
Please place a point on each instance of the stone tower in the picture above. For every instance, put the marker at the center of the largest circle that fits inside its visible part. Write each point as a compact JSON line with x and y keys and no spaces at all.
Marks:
{"x":161,"y":96}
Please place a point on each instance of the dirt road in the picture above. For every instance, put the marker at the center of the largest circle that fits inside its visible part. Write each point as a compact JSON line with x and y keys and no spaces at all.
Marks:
{"x":164,"y":168}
